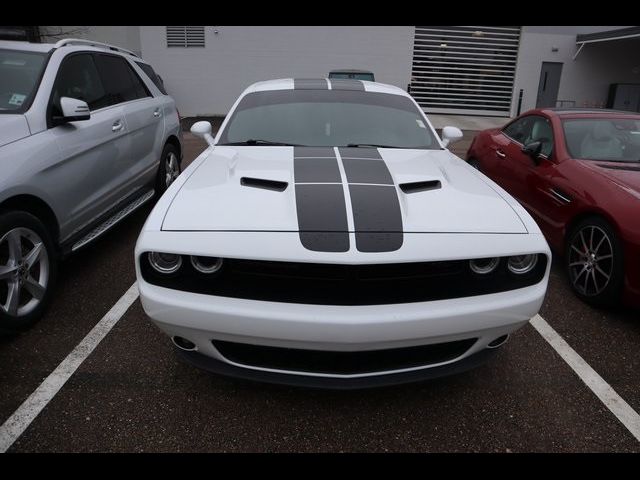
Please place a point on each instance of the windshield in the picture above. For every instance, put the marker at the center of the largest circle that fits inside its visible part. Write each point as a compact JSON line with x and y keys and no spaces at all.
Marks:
{"x":19,"y":78}
{"x":328,"y":118}
{"x":608,"y":139}
{"x":356,"y":76}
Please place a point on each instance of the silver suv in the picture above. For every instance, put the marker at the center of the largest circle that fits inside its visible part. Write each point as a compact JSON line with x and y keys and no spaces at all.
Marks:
{"x":87,"y":135}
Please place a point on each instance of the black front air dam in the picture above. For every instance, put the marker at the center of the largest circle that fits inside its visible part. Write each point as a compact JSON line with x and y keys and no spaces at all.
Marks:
{"x":207,"y":363}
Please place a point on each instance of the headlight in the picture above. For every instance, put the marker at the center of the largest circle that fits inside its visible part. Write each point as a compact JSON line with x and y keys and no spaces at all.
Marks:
{"x":165,"y":262}
{"x":522,"y":263}
{"x":206,"y":264}
{"x":483,"y":266}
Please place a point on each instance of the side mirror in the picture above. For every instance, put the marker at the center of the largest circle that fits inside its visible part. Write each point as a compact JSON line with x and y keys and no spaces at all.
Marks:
{"x":203,"y":130}
{"x":451,"y":135}
{"x":73,"y":110}
{"x":533,"y":149}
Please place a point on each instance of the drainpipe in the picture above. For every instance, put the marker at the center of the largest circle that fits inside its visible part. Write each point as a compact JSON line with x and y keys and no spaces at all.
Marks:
{"x":519,"y":102}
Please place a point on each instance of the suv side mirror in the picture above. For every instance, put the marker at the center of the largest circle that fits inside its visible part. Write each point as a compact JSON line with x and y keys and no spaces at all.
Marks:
{"x":533,"y":149}
{"x":202,"y":129}
{"x":451,"y":135}
{"x":73,"y":110}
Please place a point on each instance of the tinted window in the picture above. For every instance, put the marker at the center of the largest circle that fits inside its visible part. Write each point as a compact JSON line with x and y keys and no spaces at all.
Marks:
{"x":329,"y":118}
{"x":78,"y":78}
{"x":19,"y":75}
{"x":121,"y":82}
{"x":356,"y":76}
{"x":532,"y":128}
{"x":603,"y":138}
{"x":157,"y":81}
{"x":542,"y":132}
{"x":520,"y":129}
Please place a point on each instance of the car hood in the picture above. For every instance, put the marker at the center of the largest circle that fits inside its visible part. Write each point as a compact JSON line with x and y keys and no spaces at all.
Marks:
{"x":12,"y":128}
{"x":455,"y":198}
{"x":624,"y":174}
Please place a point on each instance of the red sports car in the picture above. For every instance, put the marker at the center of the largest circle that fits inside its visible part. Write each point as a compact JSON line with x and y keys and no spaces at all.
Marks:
{"x":578,"y":173}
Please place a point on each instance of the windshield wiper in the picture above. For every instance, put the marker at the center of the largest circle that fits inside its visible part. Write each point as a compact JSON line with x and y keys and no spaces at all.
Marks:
{"x":257,"y":141}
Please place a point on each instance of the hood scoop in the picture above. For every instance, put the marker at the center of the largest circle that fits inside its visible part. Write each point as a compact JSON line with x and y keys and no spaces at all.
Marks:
{"x":415,"y":187}
{"x":620,"y":167}
{"x":274,"y":185}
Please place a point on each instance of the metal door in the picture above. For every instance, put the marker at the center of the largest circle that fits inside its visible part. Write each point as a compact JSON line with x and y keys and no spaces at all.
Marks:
{"x":549,"y":84}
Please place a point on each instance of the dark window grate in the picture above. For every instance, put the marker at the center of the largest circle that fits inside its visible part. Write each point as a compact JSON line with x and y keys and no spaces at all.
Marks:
{"x":185,"y":36}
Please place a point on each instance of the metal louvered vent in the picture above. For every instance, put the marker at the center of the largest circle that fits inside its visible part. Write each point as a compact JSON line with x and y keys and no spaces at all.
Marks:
{"x":189,"y":36}
{"x":466,"y":70}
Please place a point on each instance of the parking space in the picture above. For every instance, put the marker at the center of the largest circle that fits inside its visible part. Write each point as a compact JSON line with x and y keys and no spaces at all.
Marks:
{"x":134,"y":394}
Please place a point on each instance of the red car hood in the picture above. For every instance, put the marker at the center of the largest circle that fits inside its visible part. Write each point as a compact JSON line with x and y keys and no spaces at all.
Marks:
{"x":624,"y":174}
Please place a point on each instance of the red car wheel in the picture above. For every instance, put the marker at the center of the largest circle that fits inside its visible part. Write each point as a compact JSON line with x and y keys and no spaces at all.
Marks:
{"x":594,"y":261}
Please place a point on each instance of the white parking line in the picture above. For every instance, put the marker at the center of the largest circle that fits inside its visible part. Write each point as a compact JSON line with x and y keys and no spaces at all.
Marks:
{"x":607,"y":395}
{"x":32,"y":406}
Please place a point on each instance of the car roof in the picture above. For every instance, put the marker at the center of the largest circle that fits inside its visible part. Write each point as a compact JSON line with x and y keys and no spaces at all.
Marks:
{"x":342,"y":84}
{"x":47,"y":47}
{"x":587,"y":112}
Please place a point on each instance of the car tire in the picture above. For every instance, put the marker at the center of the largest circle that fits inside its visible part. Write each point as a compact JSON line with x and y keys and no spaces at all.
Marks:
{"x":170,"y":168}
{"x":594,"y":262}
{"x":28,"y":270}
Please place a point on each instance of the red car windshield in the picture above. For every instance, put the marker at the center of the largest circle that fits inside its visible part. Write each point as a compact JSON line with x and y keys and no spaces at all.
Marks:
{"x":604,"y":139}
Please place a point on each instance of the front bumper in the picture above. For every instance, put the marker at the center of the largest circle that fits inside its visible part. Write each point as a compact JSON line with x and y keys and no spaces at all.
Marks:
{"x":202,"y":319}
{"x":223,"y":368}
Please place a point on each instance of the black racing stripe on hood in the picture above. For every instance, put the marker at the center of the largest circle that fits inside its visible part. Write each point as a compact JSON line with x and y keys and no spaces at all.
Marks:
{"x":346,"y":84}
{"x":314,"y":152}
{"x":377,"y":217}
{"x":359,"y":152}
{"x":310,"y":84}
{"x":316,"y":170}
{"x":361,"y":170}
{"x":322,"y":217}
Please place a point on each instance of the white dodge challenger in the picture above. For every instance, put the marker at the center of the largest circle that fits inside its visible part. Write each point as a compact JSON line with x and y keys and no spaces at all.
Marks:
{"x":328,"y":238}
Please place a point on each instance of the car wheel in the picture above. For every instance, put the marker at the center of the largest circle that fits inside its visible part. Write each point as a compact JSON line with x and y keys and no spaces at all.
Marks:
{"x":169,"y":168}
{"x":594,"y":262}
{"x":28,"y":268}
{"x":474,"y":163}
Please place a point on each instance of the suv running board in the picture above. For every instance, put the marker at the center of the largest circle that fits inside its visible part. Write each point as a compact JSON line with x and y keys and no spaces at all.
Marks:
{"x":111,"y":221}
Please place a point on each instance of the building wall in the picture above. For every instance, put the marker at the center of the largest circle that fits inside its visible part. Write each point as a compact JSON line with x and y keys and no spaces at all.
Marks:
{"x":584,"y":80}
{"x":206,"y":81}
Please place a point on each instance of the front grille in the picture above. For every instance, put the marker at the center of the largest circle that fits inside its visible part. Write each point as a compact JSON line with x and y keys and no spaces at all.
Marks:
{"x":341,"y":363}
{"x":330,"y":284}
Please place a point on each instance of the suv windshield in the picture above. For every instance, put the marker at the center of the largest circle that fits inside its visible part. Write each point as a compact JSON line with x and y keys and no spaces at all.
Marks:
{"x":19,"y":77}
{"x":612,"y":139}
{"x":328,"y":118}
